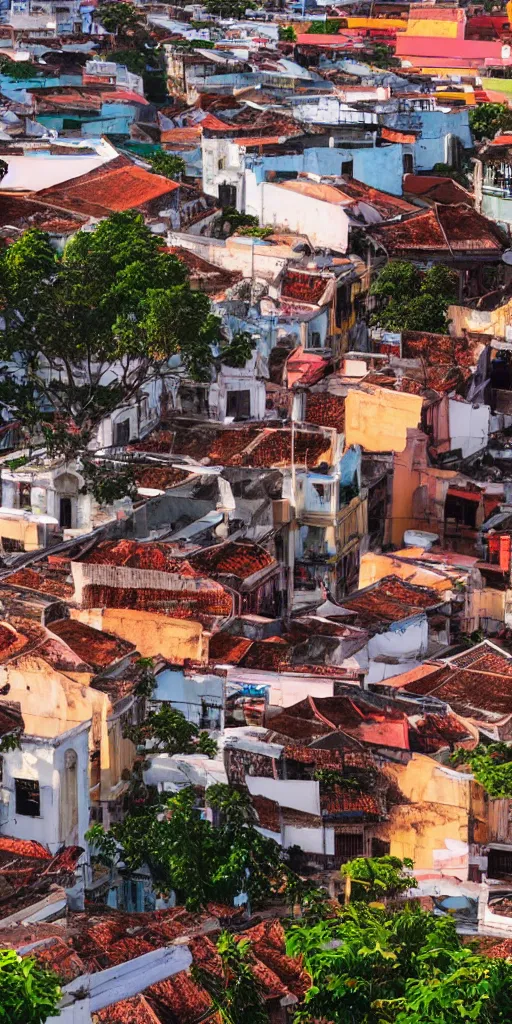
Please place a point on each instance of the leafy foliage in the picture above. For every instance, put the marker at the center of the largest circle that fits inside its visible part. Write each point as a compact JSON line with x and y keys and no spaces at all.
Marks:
{"x":237,"y":995}
{"x":287,"y":34}
{"x":19,"y":70}
{"x":330,"y":26}
{"x":29,"y":993}
{"x":488,"y":119}
{"x":413,"y":301}
{"x":491,"y":766}
{"x":169,"y":732}
{"x":200,"y":862}
{"x":229,"y":8}
{"x":114,"y":303}
{"x":384,"y":57}
{"x":373,"y":966}
{"x":237,"y":220}
{"x":372,"y":878}
{"x":255,"y":232}
{"x":239,"y":350}
{"x":118,"y":18}
{"x":167,"y":164}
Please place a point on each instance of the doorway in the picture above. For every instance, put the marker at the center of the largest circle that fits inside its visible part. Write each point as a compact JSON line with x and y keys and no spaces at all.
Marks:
{"x":65,"y":514}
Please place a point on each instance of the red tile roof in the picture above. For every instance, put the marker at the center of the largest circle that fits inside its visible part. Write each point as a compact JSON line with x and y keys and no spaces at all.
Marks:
{"x":390,"y":600}
{"x":469,"y":693}
{"x":176,"y":604}
{"x":436,"y":188}
{"x":448,"y":230}
{"x":94,"y":646}
{"x":150,"y":556}
{"x":304,"y":286}
{"x":184,"y":998}
{"x":267,"y":812}
{"x":326,"y":410}
{"x":349,"y":804}
{"x":58,"y":956}
{"x":223,"y":647}
{"x":24,"y":848}
{"x":111,"y":189}
{"x":44,"y":581}
{"x":233,"y":558}
{"x":129,"y":1011}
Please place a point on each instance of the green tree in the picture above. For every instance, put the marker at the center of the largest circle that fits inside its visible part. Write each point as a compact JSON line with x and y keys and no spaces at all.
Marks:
{"x":236,"y":993}
{"x":330,"y":26}
{"x":167,"y":164}
{"x":373,"y":878}
{"x":414,"y":301}
{"x":114,"y":303}
{"x":229,"y":8}
{"x":200,"y":862}
{"x":20,"y":70}
{"x":29,"y":993}
{"x":488,"y":119}
{"x":287,"y":34}
{"x":239,"y":350}
{"x":118,"y":18}
{"x":135,"y":60}
{"x":384,"y":57}
{"x":491,"y":765}
{"x":373,"y":966}
{"x":169,"y":732}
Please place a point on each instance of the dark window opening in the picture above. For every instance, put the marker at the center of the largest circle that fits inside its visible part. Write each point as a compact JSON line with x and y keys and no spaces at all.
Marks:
{"x":348,"y":845}
{"x":347,"y":167}
{"x":342,"y":305}
{"x":122,"y":433}
{"x":65,"y":514}
{"x":463,"y":512}
{"x":238,"y":404}
{"x":499,"y":863}
{"x":9,"y":545}
{"x":27,"y":798}
{"x":25,"y":490}
{"x":408,"y":163}
{"x":227,"y":196}
{"x":380,"y":848}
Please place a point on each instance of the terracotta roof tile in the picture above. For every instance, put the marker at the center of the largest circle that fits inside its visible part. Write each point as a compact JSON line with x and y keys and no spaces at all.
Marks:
{"x":110,"y":190}
{"x":267,"y":812}
{"x":223,"y":647}
{"x":156,"y":557}
{"x":390,"y":600}
{"x":443,"y":229}
{"x":213,"y":600}
{"x":304,"y":286}
{"x":24,"y":848}
{"x":58,"y":956}
{"x":326,"y":410}
{"x":129,"y":1011}
{"x":11,"y":719}
{"x":186,"y":999}
{"x":94,"y":646}
{"x":44,"y":581}
{"x":349,"y":804}
{"x":234,"y":558}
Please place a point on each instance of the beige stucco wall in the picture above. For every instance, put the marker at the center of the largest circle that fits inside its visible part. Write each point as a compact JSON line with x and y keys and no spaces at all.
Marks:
{"x":433,"y":828}
{"x":174,"y":639}
{"x":379,"y":419}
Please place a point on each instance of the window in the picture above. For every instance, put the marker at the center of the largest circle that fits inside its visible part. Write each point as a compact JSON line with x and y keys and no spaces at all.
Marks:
{"x":380,"y":848}
{"x":408,"y":163}
{"x":27,"y":797}
{"x":122,"y":432}
{"x":314,"y":341}
{"x":347,"y":167}
{"x":65,"y":514}
{"x":25,"y":490}
{"x":221,"y":163}
{"x":227,"y":196}
{"x":348,"y":845}
{"x":238,"y":404}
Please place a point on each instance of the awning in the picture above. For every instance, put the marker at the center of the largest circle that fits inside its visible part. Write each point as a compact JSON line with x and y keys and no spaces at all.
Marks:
{"x":458,"y":492}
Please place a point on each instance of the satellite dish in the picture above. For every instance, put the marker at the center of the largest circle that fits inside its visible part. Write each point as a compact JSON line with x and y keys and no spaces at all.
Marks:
{"x":507,"y":257}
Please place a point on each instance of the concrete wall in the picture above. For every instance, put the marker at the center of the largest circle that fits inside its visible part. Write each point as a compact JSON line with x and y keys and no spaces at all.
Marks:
{"x":469,"y":426}
{"x":175,"y":639}
{"x":300,"y":795}
{"x":45,"y":763}
{"x":379,"y":421}
{"x":324,"y":223}
{"x":187,"y":693}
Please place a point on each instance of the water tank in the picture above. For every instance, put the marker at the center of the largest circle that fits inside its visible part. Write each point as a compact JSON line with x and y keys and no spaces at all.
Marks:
{"x":420,"y":539}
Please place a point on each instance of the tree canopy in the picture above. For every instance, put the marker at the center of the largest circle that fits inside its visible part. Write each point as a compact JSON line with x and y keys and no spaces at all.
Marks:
{"x":487,"y":119}
{"x":200,"y":862}
{"x":104,"y":318}
{"x":370,"y":965}
{"x":118,"y":17}
{"x":167,"y":164}
{"x":412,"y":300}
{"x":169,"y":732}
{"x":29,"y":992}
{"x":491,"y":766}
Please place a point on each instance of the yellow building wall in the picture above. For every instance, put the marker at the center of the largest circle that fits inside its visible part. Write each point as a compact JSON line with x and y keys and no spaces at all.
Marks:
{"x":441,"y":29}
{"x":437,"y":815}
{"x":379,"y":419}
{"x":491,"y":604}
{"x":374,"y":567}
{"x":382,"y":23}
{"x":174,"y":639}
{"x":20,"y":530}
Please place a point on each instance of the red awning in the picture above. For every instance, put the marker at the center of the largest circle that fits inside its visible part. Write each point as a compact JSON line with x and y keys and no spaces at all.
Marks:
{"x":458,"y":492}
